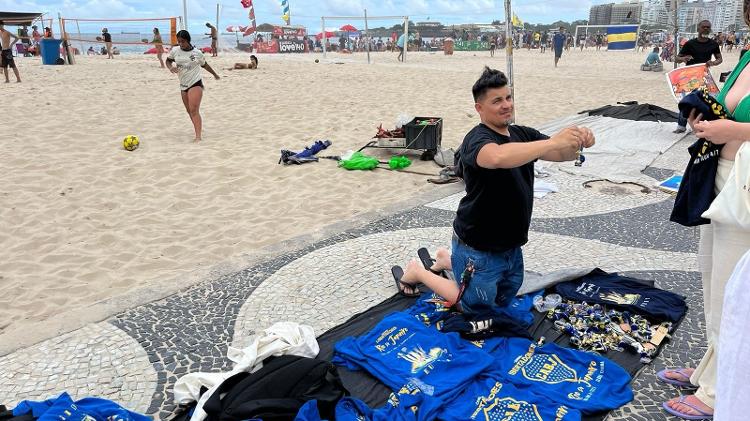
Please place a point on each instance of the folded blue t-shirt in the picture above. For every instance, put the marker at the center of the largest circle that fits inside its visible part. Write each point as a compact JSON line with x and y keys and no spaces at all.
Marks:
{"x":491,"y":398}
{"x":62,"y":408}
{"x":400,"y":350}
{"x":576,"y":379}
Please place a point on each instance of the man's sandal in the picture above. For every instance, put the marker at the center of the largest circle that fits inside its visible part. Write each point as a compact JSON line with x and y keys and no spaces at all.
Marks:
{"x":398,"y":273}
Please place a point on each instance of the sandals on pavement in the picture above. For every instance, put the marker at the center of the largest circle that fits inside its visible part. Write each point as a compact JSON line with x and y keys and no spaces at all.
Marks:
{"x":703,"y":415}
{"x":682,"y":372}
{"x":398,"y":273}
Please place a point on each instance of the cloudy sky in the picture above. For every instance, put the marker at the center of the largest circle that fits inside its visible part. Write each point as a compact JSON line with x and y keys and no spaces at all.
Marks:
{"x":308,"y":12}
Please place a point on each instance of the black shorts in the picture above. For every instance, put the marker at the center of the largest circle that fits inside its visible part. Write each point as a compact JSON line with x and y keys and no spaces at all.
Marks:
{"x":6,"y":59}
{"x":196,"y":84}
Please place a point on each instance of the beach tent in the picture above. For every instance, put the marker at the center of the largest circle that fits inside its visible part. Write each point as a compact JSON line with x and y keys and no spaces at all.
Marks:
{"x":19,"y":18}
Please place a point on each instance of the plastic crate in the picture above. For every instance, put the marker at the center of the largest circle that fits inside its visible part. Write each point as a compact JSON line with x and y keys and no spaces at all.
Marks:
{"x":424,"y":136}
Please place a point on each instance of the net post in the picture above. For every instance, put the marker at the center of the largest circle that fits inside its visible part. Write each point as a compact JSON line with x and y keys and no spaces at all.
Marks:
{"x":406,"y":38}
{"x":367,"y":39}
{"x":509,"y":51}
{"x":323,"y":36}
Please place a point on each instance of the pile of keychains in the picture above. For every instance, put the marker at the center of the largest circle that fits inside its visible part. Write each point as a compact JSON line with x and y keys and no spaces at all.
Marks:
{"x":595,"y":328}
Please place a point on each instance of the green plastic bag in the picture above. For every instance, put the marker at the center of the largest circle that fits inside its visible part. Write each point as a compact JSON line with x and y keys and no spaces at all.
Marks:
{"x":359,"y":161}
{"x":399,"y":162}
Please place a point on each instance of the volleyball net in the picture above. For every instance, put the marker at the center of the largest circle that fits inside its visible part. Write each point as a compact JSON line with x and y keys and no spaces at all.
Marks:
{"x":123,"y":31}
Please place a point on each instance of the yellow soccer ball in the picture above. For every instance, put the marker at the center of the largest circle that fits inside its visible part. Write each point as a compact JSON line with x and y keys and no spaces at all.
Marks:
{"x":130,"y":143}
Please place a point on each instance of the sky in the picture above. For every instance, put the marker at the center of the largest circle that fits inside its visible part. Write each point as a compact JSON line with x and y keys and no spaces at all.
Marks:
{"x":308,"y":12}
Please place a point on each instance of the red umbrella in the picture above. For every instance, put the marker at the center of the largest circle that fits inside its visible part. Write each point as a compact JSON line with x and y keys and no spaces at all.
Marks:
{"x":328,"y":35}
{"x":348,"y":28}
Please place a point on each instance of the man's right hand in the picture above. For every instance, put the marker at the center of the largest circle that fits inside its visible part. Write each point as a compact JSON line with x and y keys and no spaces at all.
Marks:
{"x":685,"y":59}
{"x":567,"y":141}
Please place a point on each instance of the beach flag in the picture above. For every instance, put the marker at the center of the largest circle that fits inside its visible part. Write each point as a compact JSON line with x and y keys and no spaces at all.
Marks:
{"x":621,"y":37}
{"x":248,"y":4}
{"x":285,"y":11}
{"x":516,"y":21}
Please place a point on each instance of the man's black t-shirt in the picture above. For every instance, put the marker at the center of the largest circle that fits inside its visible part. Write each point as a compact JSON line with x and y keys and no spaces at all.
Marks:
{"x":107,"y":37}
{"x":701,"y":51}
{"x":495,"y":214}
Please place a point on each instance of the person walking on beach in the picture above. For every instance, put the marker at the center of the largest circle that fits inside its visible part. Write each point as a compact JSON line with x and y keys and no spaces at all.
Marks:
{"x":6,"y":55}
{"x":545,"y":40}
{"x":214,"y":34}
{"x":497,"y":159}
{"x":401,"y":44}
{"x":159,"y":45}
{"x":107,"y":42}
{"x":558,"y":42}
{"x":187,"y":61}
{"x":698,"y":51}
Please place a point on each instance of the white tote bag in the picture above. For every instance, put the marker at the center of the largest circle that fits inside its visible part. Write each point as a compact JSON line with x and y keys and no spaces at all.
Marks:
{"x":732,"y":205}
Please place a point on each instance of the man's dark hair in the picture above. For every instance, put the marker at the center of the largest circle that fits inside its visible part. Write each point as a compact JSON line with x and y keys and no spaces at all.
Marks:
{"x":656,"y":49}
{"x":208,"y":24}
{"x":704,"y":21}
{"x":490,"y":79}
{"x":2,"y":23}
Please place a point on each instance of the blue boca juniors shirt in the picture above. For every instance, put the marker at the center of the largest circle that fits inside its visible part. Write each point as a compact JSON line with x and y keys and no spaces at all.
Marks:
{"x":576,"y":379}
{"x":492,"y":399}
{"x":401,"y":350}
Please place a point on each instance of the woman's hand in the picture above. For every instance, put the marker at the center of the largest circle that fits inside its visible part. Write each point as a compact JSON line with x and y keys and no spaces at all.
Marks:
{"x":717,"y":131}
{"x":694,"y":118}
{"x":174,"y":70}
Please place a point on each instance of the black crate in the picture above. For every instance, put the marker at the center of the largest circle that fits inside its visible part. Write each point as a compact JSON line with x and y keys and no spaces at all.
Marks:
{"x":427,"y":137}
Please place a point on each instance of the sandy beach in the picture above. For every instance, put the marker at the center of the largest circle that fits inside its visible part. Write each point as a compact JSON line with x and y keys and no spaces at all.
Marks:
{"x":82,"y":220}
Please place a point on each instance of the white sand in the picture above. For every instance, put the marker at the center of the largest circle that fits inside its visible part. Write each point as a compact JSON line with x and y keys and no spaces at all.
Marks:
{"x":82,"y":220}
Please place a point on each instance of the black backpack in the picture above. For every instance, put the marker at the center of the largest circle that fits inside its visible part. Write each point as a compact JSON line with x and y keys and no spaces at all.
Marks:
{"x":277,"y":391}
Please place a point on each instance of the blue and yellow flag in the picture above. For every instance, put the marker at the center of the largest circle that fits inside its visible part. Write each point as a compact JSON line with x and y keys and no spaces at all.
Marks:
{"x":621,"y":37}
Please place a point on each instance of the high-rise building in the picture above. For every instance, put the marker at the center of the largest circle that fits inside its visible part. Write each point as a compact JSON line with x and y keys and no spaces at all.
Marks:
{"x":728,"y":16}
{"x":689,"y":14}
{"x":654,"y":13}
{"x":600,"y":14}
{"x":622,"y":13}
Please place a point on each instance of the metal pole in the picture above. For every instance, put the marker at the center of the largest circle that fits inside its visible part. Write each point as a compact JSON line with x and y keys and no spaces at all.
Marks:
{"x":367,"y":38}
{"x":323,"y":37}
{"x":509,"y":50}
{"x":676,"y":33}
{"x":184,"y":14}
{"x":218,"y":33}
{"x":406,"y":38}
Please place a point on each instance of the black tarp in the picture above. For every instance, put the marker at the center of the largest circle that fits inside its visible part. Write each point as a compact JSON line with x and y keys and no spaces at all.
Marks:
{"x":19,"y":18}
{"x":636,"y":112}
{"x":370,"y":390}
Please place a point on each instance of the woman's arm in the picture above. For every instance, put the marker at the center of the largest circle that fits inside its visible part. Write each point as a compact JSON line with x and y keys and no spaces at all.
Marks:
{"x":210,"y":70}
{"x":722,"y":131}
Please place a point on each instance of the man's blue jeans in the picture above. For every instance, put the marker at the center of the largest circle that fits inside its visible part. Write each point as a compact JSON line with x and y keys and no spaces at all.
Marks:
{"x":496,"y":280}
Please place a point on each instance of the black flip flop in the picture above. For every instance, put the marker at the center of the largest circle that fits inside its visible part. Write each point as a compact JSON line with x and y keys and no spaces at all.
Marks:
{"x":398,"y":273}
{"x":428,"y":261}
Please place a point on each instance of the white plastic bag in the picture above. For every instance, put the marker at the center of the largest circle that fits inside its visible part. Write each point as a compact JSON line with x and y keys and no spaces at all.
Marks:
{"x":732,"y":205}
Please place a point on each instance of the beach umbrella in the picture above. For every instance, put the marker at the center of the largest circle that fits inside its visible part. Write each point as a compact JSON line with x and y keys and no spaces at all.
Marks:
{"x":348,"y":28}
{"x":234,"y":28}
{"x":328,"y":34}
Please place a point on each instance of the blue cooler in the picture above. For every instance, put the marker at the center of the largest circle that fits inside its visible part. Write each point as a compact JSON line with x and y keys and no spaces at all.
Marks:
{"x":50,"y":49}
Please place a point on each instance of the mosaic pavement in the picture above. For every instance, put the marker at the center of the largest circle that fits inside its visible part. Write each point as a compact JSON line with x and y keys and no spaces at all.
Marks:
{"x":135,"y":357}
